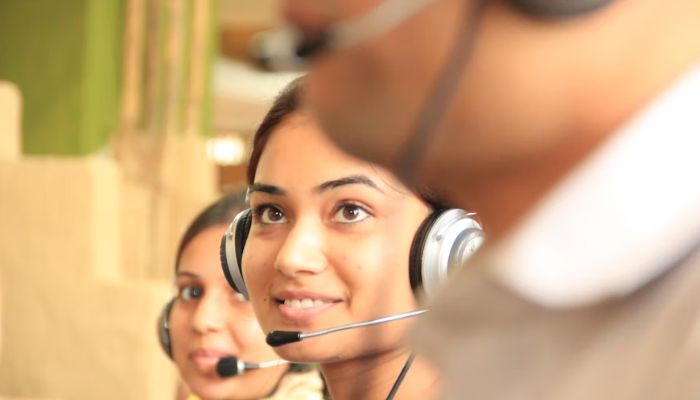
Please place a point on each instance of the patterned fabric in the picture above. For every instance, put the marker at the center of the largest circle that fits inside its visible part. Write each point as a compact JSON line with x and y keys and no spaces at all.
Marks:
{"x":306,"y":385}
{"x":300,"y":386}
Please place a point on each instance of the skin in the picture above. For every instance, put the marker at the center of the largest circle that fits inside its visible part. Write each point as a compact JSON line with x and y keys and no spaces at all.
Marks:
{"x":209,"y":321}
{"x":535,"y":98}
{"x":336,"y":230}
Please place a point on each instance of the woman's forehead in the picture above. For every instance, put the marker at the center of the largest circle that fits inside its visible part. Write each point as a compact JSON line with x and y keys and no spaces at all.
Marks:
{"x":299,"y":150}
{"x":324,"y":177}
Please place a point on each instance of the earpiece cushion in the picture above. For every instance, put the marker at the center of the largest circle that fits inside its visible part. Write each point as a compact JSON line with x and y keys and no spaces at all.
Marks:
{"x":163,"y":327}
{"x":223,"y":256}
{"x":242,"y":235}
{"x":229,"y":256}
{"x":415,"y":267}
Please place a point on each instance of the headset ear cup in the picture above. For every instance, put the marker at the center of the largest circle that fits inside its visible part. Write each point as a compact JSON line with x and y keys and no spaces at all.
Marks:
{"x":242,"y":232}
{"x":415,"y":263}
{"x":163,"y":327}
{"x":231,"y":250}
{"x":443,"y":243}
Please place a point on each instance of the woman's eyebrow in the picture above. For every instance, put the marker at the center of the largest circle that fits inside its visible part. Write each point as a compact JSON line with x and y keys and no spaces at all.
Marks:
{"x":186,"y":274}
{"x":265,"y":188}
{"x":348,"y":180}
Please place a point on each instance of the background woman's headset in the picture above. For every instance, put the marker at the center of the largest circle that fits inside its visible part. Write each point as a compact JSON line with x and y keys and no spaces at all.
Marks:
{"x":163,"y":328}
{"x":443,"y":242}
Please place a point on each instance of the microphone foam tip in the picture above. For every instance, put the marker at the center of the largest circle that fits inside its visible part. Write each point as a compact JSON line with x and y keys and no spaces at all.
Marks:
{"x":280,"y":338}
{"x":227,"y":366}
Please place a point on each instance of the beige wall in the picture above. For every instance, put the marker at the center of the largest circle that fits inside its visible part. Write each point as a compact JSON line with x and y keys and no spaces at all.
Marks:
{"x":85,"y":257}
{"x":10,"y":103}
{"x":9,"y":121}
{"x":74,"y":328}
{"x":249,"y":13}
{"x":154,"y":216}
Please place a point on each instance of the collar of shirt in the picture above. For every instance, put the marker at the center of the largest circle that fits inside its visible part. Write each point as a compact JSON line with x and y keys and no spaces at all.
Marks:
{"x":617,"y":221}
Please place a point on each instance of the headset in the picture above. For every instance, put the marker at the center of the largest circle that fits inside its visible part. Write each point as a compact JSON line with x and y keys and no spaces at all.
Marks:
{"x":226,"y":367}
{"x":163,"y":328}
{"x":442,"y":243}
{"x":289,"y":48}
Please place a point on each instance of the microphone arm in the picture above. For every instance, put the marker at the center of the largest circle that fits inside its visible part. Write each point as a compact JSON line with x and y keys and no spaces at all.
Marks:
{"x":232,"y":366}
{"x":280,"y":338}
{"x":265,"y":364}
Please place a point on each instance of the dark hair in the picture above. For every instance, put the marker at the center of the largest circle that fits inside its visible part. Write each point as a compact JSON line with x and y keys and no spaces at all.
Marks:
{"x":220,"y":212}
{"x":285,"y":103}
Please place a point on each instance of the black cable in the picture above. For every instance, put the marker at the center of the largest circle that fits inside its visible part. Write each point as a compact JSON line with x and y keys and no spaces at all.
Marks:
{"x":439,"y":97}
{"x":435,"y":107}
{"x":402,"y":375}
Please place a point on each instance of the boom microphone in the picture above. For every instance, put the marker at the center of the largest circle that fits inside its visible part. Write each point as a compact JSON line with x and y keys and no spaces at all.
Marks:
{"x":232,"y":366}
{"x":288,"y":47}
{"x":280,"y":338}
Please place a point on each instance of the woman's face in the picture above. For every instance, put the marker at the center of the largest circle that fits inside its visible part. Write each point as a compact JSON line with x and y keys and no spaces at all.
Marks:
{"x":329,"y":245}
{"x":209,"y":321}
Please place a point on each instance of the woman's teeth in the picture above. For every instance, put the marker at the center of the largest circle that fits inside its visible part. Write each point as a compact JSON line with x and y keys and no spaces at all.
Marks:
{"x":303,"y":303}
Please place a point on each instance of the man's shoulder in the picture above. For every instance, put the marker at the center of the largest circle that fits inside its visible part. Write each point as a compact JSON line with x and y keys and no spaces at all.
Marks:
{"x":500,"y":345}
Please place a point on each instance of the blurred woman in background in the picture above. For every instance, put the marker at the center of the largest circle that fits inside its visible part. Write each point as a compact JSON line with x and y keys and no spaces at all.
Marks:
{"x":208,"y":321}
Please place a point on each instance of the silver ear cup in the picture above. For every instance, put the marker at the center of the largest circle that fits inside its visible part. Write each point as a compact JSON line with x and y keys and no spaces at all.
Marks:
{"x":232,"y":249}
{"x":451,"y":240}
{"x":164,"y":328}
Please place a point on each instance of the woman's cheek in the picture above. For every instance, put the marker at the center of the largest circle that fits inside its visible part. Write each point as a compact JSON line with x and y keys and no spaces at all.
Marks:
{"x":252,"y":335}
{"x":260,"y":306}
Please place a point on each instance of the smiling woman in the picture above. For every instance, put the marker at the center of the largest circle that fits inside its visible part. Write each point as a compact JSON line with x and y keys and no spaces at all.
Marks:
{"x":329,"y":243}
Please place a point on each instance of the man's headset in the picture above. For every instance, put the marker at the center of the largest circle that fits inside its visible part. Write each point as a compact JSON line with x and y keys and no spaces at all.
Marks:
{"x":289,"y":48}
{"x":443,"y":242}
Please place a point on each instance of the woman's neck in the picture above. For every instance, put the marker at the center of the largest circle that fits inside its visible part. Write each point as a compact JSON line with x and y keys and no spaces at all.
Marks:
{"x":372,"y":377}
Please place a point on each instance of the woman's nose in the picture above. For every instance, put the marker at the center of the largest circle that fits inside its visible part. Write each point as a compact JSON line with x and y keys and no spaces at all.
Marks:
{"x":210,"y":314}
{"x":303,"y":250}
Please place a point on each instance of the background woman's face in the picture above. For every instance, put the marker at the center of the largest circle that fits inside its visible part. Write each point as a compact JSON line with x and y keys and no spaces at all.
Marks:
{"x":210,"y":321}
{"x":329,"y":245}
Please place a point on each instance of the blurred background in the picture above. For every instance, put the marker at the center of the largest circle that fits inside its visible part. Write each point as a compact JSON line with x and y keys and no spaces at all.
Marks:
{"x":119,"y":121}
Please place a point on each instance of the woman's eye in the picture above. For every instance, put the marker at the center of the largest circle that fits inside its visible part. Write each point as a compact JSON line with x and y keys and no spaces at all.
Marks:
{"x":350,"y":213}
{"x":270,"y":215}
{"x":190,"y":292}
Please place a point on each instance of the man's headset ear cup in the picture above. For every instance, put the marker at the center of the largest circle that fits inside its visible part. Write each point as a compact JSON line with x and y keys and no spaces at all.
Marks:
{"x":443,"y":243}
{"x":558,"y":8}
{"x":163,"y":327}
{"x":231,"y":250}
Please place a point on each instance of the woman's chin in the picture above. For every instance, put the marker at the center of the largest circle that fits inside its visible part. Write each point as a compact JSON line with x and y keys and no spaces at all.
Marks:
{"x":225,"y":390}
{"x":211,"y":391}
{"x":308,"y":353}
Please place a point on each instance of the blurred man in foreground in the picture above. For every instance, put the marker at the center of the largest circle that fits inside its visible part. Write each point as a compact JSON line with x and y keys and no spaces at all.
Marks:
{"x":573,"y":128}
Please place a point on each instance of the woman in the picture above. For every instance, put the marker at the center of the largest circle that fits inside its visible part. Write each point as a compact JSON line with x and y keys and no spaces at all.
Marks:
{"x":329,"y":245}
{"x":208,"y":321}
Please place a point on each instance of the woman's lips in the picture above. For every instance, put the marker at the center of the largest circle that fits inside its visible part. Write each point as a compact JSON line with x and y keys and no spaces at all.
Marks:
{"x":206,"y":359}
{"x":302,"y":307}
